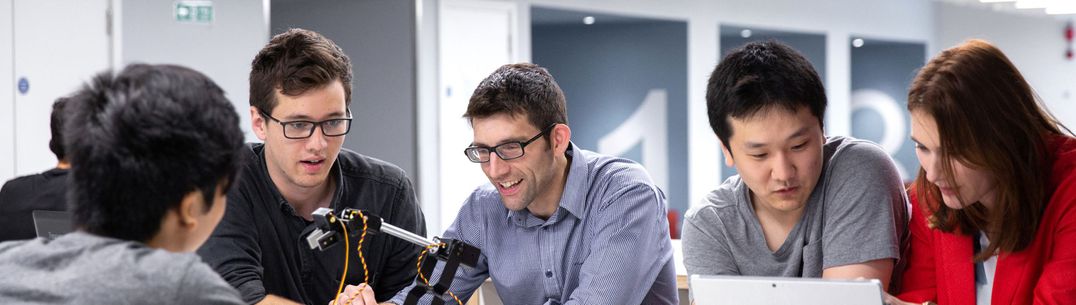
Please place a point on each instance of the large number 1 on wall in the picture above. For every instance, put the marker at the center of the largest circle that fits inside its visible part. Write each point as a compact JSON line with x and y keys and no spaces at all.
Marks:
{"x":647,"y":125}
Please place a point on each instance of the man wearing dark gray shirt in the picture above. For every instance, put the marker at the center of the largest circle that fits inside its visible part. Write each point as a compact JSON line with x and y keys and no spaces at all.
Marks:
{"x":153,"y":151}
{"x":803,"y":205}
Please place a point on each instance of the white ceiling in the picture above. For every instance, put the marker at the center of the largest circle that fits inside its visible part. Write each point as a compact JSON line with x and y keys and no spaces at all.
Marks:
{"x":1007,"y":7}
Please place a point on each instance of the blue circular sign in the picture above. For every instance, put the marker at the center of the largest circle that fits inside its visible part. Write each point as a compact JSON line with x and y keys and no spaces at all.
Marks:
{"x":24,"y":85}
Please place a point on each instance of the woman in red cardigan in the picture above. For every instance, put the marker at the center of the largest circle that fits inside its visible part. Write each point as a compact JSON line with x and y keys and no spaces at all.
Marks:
{"x":994,"y":205}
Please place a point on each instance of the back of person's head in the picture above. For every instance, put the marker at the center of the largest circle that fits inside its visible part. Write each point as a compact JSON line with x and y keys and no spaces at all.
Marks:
{"x":520,"y":89}
{"x":56,"y":124}
{"x":758,"y":77}
{"x":142,"y":140}
{"x":294,"y":62}
{"x":988,"y":118}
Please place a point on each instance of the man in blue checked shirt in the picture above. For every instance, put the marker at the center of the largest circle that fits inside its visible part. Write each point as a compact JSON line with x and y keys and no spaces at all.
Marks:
{"x":557,"y":224}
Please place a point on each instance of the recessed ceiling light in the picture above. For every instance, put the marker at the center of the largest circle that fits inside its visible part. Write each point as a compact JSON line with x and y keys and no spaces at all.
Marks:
{"x":1032,"y":4}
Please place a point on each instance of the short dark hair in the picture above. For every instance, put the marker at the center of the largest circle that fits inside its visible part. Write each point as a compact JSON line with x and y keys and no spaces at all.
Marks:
{"x":759,"y":76}
{"x":140,"y":141}
{"x":294,"y":62}
{"x":520,"y":89}
{"x":56,"y":125}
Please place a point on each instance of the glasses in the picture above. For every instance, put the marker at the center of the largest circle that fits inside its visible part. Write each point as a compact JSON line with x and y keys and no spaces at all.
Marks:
{"x":305,"y":129}
{"x":506,"y":151}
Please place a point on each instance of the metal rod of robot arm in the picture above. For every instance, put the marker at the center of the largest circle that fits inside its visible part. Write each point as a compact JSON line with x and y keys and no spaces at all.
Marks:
{"x":407,"y":235}
{"x":325,"y":234}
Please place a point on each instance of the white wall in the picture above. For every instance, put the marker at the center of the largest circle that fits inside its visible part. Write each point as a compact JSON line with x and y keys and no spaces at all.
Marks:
{"x":428,"y":174}
{"x":1035,"y":44}
{"x":56,"y":45}
{"x":7,"y":91}
{"x":222,"y":49}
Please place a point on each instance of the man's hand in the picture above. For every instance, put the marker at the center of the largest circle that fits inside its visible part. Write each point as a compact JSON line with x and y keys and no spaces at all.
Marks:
{"x":355,"y":295}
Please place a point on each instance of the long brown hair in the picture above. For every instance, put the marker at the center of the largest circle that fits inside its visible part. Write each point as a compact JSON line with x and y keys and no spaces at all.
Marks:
{"x":988,"y":118}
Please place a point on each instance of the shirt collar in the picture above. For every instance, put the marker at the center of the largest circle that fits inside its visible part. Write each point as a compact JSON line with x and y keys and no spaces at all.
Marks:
{"x":575,"y":188}
{"x":572,"y":200}
{"x":334,"y":174}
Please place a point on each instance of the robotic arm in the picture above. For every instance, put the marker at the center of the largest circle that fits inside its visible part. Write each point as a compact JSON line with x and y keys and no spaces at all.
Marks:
{"x":453,"y":252}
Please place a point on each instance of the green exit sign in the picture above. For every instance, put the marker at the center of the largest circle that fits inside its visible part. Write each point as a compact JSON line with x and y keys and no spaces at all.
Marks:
{"x":200,"y":11}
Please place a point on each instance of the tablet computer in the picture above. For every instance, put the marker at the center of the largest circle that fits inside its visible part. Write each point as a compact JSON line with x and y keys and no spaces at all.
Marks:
{"x":749,"y":290}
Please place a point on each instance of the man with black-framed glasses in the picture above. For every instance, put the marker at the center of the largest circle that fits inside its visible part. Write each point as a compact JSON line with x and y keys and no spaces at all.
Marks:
{"x":506,"y":151}
{"x":300,"y":129}
{"x":556,"y":224}
{"x":300,"y":90}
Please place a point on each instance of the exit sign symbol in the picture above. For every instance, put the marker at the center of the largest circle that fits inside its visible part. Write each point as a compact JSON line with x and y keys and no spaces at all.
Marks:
{"x":200,"y":11}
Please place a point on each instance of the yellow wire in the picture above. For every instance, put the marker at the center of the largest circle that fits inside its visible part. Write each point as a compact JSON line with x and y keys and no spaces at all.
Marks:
{"x":418,"y":265}
{"x":347,"y":247}
{"x":362,"y":237}
{"x":362,"y":259}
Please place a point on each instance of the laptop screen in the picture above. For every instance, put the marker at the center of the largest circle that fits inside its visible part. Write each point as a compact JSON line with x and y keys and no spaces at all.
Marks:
{"x":747,"y":290}
{"x":51,"y":224}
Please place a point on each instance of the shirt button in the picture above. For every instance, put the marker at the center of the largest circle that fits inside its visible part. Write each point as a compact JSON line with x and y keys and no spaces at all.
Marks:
{"x":548,"y":273}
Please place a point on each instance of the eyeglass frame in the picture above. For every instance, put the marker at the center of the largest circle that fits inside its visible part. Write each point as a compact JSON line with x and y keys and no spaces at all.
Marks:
{"x":494,"y":149}
{"x":317,"y":125}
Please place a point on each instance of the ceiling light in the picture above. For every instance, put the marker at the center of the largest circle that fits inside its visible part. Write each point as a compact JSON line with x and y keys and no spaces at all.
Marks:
{"x":858,"y":42}
{"x":1061,"y":8}
{"x":1033,"y":4}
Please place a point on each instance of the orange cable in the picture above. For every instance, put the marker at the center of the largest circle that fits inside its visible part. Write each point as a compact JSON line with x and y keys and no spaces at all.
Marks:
{"x":362,"y":259}
{"x":418,"y":265}
{"x":362,"y":237}
{"x":347,"y":247}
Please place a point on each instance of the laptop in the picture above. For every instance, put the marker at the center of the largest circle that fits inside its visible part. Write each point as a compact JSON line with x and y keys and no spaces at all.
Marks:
{"x":51,"y":224}
{"x":748,"y":290}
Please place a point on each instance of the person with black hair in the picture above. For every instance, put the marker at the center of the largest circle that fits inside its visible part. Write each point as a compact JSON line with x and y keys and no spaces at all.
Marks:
{"x":803,"y":204}
{"x":153,"y":150}
{"x":300,"y":91}
{"x":45,"y":191}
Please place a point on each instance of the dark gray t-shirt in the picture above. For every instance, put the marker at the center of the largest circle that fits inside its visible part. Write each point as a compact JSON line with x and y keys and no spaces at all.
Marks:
{"x":856,"y":213}
{"x":82,"y":268}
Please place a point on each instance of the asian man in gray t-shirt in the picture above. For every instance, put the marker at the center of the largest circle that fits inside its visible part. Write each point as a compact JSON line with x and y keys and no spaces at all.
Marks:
{"x":803,"y":205}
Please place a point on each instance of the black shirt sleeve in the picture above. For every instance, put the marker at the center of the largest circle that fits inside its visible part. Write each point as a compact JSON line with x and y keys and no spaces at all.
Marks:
{"x":400,"y":270}
{"x":233,"y":249}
